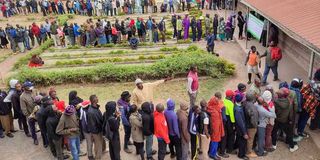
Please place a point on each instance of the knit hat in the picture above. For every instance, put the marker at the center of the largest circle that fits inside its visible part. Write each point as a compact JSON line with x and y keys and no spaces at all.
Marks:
{"x":267,"y":96}
{"x":238,"y":98}
{"x":138,"y":80}
{"x":85,"y":104}
{"x":229,"y":93}
{"x":283,"y":85}
{"x":70,"y":110}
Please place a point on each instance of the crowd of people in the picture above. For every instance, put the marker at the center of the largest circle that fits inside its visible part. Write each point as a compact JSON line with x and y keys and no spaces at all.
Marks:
{"x":106,"y":7}
{"x":248,"y":122}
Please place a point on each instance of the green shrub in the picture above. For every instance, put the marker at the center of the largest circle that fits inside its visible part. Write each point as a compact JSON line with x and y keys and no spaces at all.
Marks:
{"x":23,"y":61}
{"x":73,"y":47}
{"x":181,"y":41}
{"x":67,"y":63}
{"x":61,"y":19}
{"x":118,"y":52}
{"x":169,"y":48}
{"x":176,"y":65}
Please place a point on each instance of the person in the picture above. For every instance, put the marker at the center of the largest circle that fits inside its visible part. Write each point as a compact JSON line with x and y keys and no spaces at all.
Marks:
{"x":3,"y":38}
{"x":54,"y":33}
{"x":204,"y":125}
{"x":179,"y":28}
{"x":162,"y":29}
{"x":174,"y":133}
{"x":253,"y":61}
{"x":94,"y":126}
{"x":27,"y":107}
{"x":35,"y":61}
{"x":295,"y":86}
{"x":255,"y":88}
{"x":230,"y":123}
{"x":273,"y":56}
{"x":111,"y":124}
{"x":182,"y":115}
{"x":55,"y":140}
{"x":284,"y":120}
{"x":199,"y":28}
{"x":161,"y":131}
{"x":69,"y":126}
{"x":193,"y":84}
{"x":84,"y":126}
{"x":186,"y":25}
{"x":137,"y":131}
{"x":193,"y":25}
{"x":241,"y":127}
{"x":143,"y":92}
{"x":264,"y":115}
{"x":269,"y":99}
{"x":215,"y":25}
{"x":174,"y":25}
{"x":221,"y":29}
{"x":251,"y":118}
{"x":207,"y":22}
{"x":4,"y":115}
{"x":124,"y":108}
{"x":15,"y":100}
{"x":217,"y":129}
{"x":241,"y":23}
{"x":193,"y":129}
{"x":148,"y":128}
{"x":263,"y":39}
{"x":210,"y":43}
{"x":42,"y":115}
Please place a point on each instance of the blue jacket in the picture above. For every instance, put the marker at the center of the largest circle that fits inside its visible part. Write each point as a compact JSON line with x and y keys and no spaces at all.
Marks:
{"x":210,"y":40}
{"x":75,"y":30}
{"x":299,"y":97}
{"x":172,"y":119}
{"x":241,"y":127}
{"x":124,"y":108}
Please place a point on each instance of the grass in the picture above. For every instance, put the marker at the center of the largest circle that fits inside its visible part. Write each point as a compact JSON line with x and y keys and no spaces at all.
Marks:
{"x":175,"y":89}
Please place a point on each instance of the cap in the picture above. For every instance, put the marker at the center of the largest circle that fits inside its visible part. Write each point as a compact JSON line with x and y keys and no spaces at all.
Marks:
{"x":229,"y":93}
{"x":138,"y":80}
{"x":28,"y":85}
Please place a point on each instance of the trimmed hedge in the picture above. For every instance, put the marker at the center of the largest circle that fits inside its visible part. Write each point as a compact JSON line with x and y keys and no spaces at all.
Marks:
{"x":176,"y":65}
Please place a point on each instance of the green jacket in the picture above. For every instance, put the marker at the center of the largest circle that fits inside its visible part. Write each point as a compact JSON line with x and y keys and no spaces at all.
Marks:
{"x":284,"y":110}
{"x":229,"y":109}
{"x":53,"y":29}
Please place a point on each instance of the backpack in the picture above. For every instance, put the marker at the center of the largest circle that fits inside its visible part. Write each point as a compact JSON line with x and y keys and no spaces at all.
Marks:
{"x":107,"y":131}
{"x":276,"y":53}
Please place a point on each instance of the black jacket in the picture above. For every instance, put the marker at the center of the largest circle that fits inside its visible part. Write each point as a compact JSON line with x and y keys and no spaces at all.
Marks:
{"x":42,"y":116}
{"x":94,"y":120}
{"x":51,"y":125}
{"x":15,"y":100}
{"x":147,"y":119}
{"x":4,"y":107}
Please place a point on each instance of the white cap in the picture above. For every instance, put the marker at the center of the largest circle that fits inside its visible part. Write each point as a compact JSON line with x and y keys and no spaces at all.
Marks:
{"x":138,"y":80}
{"x":267,"y":96}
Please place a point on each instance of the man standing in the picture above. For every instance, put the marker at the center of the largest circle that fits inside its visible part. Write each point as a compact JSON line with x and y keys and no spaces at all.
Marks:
{"x":207,"y":24}
{"x":144,"y":91}
{"x":204,"y":130}
{"x":179,"y":28}
{"x":193,"y":85}
{"x":162,"y":29}
{"x":149,"y":30}
{"x":215,"y":25}
{"x":255,"y":87}
{"x":182,"y":115}
{"x":47,"y":26}
{"x":54,"y":32}
{"x":27,"y":106}
{"x":273,"y":56}
{"x":148,"y":128}
{"x":230,"y":123}
{"x":124,"y":107}
{"x":174,"y":25}
{"x":95,"y":122}
{"x":4,"y":115}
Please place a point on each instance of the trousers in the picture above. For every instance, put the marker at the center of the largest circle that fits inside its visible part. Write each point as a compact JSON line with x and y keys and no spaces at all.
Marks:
{"x":97,"y":141}
{"x":261,"y":140}
{"x":5,"y":122}
{"x":175,"y":146}
{"x":288,"y":130}
{"x":204,"y":145}
{"x":162,"y":147}
{"x":251,"y":133}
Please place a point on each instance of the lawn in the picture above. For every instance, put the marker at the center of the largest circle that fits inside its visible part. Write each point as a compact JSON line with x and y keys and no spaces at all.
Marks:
{"x":175,"y":89}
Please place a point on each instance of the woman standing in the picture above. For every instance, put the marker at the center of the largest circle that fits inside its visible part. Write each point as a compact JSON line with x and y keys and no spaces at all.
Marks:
{"x":3,"y":38}
{"x":221,"y":29}
{"x":136,"y":131}
{"x":101,"y":34}
{"x":241,"y":23}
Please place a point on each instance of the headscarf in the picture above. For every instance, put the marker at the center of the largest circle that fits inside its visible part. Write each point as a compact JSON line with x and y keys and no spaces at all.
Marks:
{"x":110,"y":109}
{"x":214,"y":104}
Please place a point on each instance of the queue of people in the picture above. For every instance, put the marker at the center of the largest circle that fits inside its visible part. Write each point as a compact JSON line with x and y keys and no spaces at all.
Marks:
{"x":248,"y":122}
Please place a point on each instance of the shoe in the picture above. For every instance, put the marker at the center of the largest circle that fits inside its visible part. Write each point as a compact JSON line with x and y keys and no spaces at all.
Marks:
{"x":270,"y":149}
{"x":223,"y":155}
{"x":304,"y":135}
{"x":276,"y":79}
{"x":214,"y":157}
{"x":232,"y":152}
{"x":154,"y":152}
{"x":244,"y":158}
{"x":297,"y":139}
{"x":35,"y":142}
{"x":28,"y":135}
{"x":252,"y":155}
{"x":13,"y":131}
{"x":294,"y":148}
{"x":167,"y":152}
{"x":66,"y":156}
{"x":10,"y":135}
{"x":274,"y":147}
{"x":127,"y":150}
{"x":2,"y":136}
{"x":82,"y":153}
{"x":45,"y":145}
{"x":249,"y":82}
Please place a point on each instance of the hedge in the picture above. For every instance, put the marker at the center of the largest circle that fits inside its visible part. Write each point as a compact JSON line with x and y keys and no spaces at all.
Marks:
{"x":176,"y":65}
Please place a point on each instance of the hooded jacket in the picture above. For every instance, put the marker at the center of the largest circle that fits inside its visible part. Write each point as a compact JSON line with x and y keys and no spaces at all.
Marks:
{"x":284,"y":110}
{"x":215,"y":110}
{"x":172,"y":119}
{"x":4,"y":107}
{"x":51,"y":125}
{"x":251,"y":112}
{"x":94,"y":120}
{"x":124,"y":109}
{"x":147,"y":119}
{"x":182,"y":115}
{"x":109,"y":117}
{"x":136,"y":127}
{"x":161,"y":127}
{"x":67,"y":122}
{"x":15,"y":100}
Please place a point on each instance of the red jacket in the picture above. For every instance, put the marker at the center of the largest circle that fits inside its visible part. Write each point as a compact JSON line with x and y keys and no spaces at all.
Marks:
{"x":35,"y":30}
{"x":214,"y":108}
{"x":161,"y":127}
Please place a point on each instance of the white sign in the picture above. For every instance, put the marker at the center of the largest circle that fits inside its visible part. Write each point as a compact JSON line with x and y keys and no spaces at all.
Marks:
{"x":255,"y":26}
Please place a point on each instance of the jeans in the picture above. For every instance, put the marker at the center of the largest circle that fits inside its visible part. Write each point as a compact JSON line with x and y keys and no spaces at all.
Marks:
{"x":266,"y":72}
{"x":21,"y":47}
{"x":87,"y":38}
{"x":193,"y":145}
{"x":27,"y":43}
{"x":213,"y":149}
{"x":261,"y":140}
{"x":155,"y":37}
{"x":109,"y":38}
{"x":288,"y":130}
{"x":175,"y":146}
{"x":74,"y":144}
{"x":149,"y":143}
{"x":303,"y":120}
{"x":194,"y":35}
{"x":162,"y":148}
{"x":32,"y":126}
{"x":127,"y":133}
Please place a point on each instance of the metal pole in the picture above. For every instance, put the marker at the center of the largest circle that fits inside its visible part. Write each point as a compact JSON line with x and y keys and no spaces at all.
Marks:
{"x":234,"y":6}
{"x":311,"y":65}
{"x":247,"y":27}
{"x":268,"y":28}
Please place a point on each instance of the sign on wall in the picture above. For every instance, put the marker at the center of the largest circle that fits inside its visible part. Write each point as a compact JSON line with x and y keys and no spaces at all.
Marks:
{"x":255,"y":26}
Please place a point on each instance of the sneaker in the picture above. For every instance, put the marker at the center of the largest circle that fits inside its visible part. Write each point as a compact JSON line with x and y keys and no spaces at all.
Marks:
{"x":10,"y":135}
{"x":270,"y":149}
{"x":82,"y":153}
{"x":127,"y":150}
{"x":13,"y":131}
{"x":223,"y":155}
{"x":274,"y":147}
{"x":276,"y":79}
{"x":304,"y":135}
{"x":233,"y":152}
{"x":252,"y":155}
{"x":297,"y":139}
{"x":294,"y":148}
{"x":154,"y":152}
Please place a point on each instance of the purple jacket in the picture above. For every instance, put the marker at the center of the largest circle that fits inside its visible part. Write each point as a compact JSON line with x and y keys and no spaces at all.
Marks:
{"x":172,"y":119}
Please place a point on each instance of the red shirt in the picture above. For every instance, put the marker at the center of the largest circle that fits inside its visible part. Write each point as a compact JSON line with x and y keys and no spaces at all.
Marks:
{"x":35,"y":30}
{"x":161,"y":127}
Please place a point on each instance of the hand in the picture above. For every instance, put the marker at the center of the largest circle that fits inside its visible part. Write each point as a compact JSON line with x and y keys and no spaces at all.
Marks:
{"x":246,"y":136}
{"x":117,"y":114}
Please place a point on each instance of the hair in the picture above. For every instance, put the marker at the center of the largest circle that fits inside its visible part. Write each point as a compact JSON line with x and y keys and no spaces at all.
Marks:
{"x":218,"y":94}
{"x":203,"y":103}
{"x":253,"y":47}
{"x":159,"y":107}
{"x":193,"y":67}
{"x":92,"y":97}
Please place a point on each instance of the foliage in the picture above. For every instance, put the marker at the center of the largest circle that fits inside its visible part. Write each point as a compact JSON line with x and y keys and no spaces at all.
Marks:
{"x":37,"y":51}
{"x":73,"y":47}
{"x":181,"y":41}
{"x":118,"y":52}
{"x":169,"y":49}
{"x":176,"y":65}
{"x":61,"y":19}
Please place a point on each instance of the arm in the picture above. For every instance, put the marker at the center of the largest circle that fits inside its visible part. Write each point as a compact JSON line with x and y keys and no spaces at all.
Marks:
{"x":135,"y":98}
{"x":176,"y":129}
{"x":247,"y":59}
{"x":264,"y":54}
{"x":189,"y":85}
{"x":156,"y":83}
{"x":60,"y":128}
{"x":123,"y":117}
{"x":23,"y":106}
{"x":114,"y":124}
